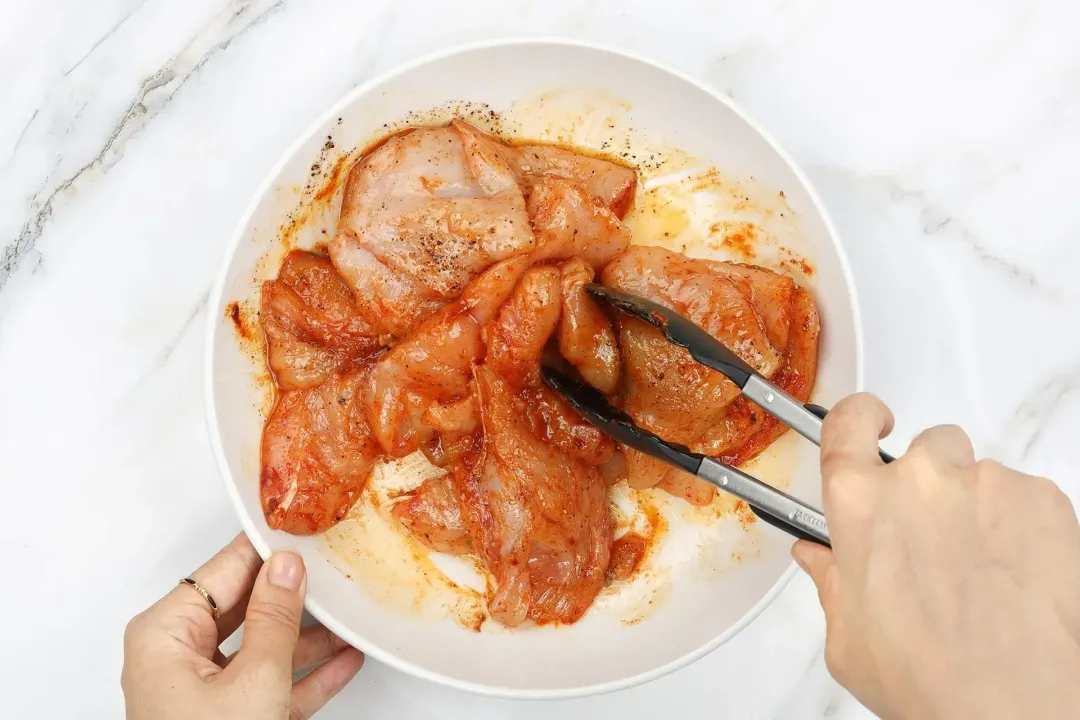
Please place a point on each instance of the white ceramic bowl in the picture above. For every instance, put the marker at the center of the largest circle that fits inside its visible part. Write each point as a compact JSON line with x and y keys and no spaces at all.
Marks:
{"x":585,"y":95}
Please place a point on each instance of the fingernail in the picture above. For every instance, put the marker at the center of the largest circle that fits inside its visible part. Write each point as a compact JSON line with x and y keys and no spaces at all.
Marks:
{"x":286,"y":570}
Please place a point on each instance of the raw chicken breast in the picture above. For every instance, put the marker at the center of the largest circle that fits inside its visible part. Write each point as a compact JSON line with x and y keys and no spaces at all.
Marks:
{"x":586,"y":338}
{"x":311,"y":323}
{"x":714,"y":295}
{"x":317,"y":453}
{"x":419,"y":220}
{"x":762,"y":316}
{"x":667,"y":391}
{"x":746,"y":429}
{"x":434,"y":363}
{"x":538,"y":517}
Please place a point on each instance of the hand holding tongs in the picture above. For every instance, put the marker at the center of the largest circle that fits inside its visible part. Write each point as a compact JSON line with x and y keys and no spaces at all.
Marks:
{"x":771,"y":505}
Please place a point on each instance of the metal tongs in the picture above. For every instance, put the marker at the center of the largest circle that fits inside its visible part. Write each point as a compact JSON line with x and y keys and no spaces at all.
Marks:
{"x":771,"y":505}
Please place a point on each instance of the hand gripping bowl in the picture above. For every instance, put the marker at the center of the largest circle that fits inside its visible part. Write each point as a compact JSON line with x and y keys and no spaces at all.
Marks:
{"x":712,"y":184}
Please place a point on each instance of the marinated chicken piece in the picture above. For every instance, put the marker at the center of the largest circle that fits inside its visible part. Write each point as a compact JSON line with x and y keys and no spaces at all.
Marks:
{"x":432,"y":512}
{"x":433,"y":515}
{"x":744,"y":307}
{"x":311,"y":323}
{"x":448,"y":430}
{"x":392,"y":302}
{"x":317,"y":453}
{"x":492,"y":163}
{"x":535,"y":507}
{"x":608,"y":184}
{"x":665,"y":387}
{"x":433,"y":364}
{"x":713,"y":295}
{"x":586,"y":337}
{"x":569,"y":223}
{"x":538,"y":518}
{"x":552,"y":420}
{"x":746,"y":429}
{"x":515,"y":343}
{"x":689,"y":487}
{"x":457,"y":417}
{"x":643,"y":471}
{"x":455,"y":424}
{"x":771,"y":294}
{"x":419,"y":220}
{"x":574,"y":202}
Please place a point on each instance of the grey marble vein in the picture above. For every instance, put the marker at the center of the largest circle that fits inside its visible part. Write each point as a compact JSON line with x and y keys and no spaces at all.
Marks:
{"x":935,"y":222}
{"x":101,"y":40}
{"x":22,"y":133}
{"x":169,"y":348}
{"x":156,"y":93}
{"x":946,"y":226}
{"x":1033,"y":416}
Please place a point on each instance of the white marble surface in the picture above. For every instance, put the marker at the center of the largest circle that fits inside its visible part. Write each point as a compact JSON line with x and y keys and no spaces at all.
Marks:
{"x":945,"y":138}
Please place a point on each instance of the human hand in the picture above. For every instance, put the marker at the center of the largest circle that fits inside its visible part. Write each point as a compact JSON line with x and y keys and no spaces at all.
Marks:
{"x":952,"y":586}
{"x":172,"y":665}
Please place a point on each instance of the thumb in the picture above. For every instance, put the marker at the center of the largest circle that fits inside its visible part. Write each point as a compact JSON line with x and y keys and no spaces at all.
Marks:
{"x":817,"y":562}
{"x":272,"y":623}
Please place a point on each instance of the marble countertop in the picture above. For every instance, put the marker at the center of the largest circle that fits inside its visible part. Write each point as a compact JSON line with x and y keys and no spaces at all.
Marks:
{"x":944,"y":137}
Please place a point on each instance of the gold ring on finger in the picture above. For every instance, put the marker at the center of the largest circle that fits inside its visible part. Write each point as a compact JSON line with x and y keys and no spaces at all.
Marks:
{"x":206,"y":596}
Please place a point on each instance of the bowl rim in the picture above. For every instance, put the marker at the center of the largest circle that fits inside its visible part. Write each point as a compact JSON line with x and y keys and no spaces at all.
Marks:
{"x":213,"y":325}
